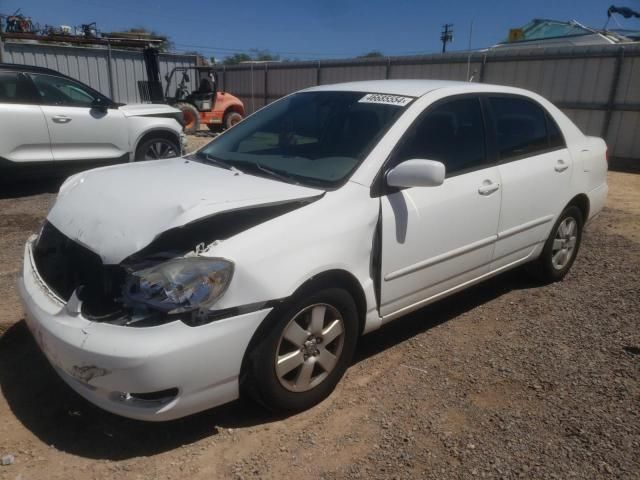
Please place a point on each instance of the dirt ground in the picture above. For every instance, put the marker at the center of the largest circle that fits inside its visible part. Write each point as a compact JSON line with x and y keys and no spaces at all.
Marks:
{"x":507,"y":380}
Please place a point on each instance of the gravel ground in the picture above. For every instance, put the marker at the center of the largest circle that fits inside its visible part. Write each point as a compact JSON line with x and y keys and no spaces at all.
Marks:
{"x":507,"y":380}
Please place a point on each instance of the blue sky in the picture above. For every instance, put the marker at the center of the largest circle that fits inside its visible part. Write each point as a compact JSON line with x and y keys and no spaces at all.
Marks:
{"x":317,"y":29}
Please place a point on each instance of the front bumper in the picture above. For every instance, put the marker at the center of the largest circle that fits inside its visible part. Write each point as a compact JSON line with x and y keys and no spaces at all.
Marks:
{"x":104,"y":363}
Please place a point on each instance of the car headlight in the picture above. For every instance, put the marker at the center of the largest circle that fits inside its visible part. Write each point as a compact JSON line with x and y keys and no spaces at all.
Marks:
{"x":179,"y":285}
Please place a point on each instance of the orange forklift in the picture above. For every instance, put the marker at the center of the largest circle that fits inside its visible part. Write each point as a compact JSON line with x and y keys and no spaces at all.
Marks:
{"x":206,"y":105}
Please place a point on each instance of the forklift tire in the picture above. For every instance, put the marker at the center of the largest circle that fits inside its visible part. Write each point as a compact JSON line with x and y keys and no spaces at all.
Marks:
{"x":231,"y":118}
{"x":191,"y":117}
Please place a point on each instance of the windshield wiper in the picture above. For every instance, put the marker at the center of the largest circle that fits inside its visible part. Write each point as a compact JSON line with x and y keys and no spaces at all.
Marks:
{"x":283,"y":176}
{"x":216,"y":161}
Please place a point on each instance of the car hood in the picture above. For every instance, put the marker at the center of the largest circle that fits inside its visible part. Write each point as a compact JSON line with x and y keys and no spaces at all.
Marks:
{"x":117,"y":211}
{"x":138,"y":109}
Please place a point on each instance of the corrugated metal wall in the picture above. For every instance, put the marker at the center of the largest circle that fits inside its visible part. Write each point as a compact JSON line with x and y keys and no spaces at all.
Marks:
{"x":597,"y":86}
{"x":91,"y":66}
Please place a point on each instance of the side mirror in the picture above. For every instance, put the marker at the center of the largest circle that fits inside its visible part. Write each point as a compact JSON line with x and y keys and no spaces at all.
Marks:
{"x":416,"y":173}
{"x":100,"y":104}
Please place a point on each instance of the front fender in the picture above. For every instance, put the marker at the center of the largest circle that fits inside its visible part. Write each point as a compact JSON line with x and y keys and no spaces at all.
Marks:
{"x":273,"y":259}
{"x":139,"y":127}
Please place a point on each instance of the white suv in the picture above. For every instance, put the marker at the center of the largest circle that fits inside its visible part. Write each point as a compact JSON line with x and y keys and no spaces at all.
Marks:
{"x":48,"y":118}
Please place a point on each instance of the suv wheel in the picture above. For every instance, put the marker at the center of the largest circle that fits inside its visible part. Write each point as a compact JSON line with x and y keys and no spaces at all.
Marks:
{"x":156,"y":148}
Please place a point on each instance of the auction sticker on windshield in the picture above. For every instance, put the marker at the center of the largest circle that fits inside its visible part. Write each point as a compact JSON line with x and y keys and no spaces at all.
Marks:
{"x":385,"y":99}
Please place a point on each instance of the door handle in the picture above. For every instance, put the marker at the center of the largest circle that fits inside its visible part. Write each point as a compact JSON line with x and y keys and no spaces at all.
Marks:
{"x":561,"y":166}
{"x":61,"y":119}
{"x":488,"y":188}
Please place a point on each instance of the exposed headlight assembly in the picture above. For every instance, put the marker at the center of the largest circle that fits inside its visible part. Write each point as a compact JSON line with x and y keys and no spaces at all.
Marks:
{"x":180,"y":285}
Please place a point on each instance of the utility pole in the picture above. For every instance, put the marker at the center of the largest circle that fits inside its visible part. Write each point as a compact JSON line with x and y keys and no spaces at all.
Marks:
{"x":446,"y":36}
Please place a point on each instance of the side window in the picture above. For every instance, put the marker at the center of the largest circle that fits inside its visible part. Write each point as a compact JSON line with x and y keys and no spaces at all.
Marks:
{"x":521,"y":126}
{"x":556,"y":139}
{"x":15,"y":88}
{"x":62,"y":91}
{"x":452,"y":133}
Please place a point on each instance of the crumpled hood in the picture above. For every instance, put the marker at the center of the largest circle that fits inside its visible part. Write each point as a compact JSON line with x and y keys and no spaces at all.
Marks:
{"x":117,"y":211}
{"x":137,"y":109}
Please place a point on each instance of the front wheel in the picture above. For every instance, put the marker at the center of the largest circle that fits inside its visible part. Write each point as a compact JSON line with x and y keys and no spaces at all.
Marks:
{"x":305,"y":352}
{"x":561,"y":247}
{"x":157,"y":148}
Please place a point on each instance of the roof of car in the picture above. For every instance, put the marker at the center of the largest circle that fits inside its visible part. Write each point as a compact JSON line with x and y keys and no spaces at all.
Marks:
{"x":27,"y":68}
{"x":412,"y":88}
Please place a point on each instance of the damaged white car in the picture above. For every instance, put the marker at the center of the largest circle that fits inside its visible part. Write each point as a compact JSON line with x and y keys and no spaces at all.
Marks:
{"x":160,"y":289}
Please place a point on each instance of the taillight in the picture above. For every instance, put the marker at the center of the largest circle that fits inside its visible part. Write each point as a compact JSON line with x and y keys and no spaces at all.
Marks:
{"x":606,"y":154}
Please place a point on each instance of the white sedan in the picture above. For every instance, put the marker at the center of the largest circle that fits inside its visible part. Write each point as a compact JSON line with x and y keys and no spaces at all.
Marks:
{"x":160,"y":289}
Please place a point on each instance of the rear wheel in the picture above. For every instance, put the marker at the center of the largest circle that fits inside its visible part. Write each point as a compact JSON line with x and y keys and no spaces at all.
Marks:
{"x":231,"y":118}
{"x":303,"y":356}
{"x":561,"y":247}
{"x":191,"y":117}
{"x":156,"y":148}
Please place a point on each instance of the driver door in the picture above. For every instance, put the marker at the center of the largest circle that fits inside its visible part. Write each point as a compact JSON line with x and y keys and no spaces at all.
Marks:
{"x":78,"y":131}
{"x":435,"y":239}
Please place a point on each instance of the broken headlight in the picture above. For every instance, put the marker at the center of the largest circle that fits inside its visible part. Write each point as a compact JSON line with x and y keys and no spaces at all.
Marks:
{"x":179,"y":285}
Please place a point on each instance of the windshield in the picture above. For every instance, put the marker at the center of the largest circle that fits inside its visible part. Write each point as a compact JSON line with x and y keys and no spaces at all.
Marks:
{"x":311,"y":138}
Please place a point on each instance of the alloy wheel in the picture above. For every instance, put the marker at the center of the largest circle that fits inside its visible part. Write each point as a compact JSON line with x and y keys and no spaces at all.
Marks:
{"x":160,"y":149}
{"x":309,"y":347}
{"x":564,"y":243}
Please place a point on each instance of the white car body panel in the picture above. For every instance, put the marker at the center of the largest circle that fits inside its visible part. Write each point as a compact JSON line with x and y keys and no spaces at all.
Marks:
{"x":435,"y":241}
{"x":141,"y":109}
{"x":17,"y":147}
{"x":545,"y":177}
{"x":79,"y":133}
{"x":196,"y":191}
{"x":461,"y":227}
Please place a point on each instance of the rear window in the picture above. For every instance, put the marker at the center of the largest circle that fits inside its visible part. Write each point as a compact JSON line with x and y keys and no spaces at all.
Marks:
{"x":15,"y":88}
{"x":521,"y":126}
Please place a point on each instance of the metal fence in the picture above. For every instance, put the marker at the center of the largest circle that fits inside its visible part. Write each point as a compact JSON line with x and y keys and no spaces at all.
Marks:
{"x":598,"y":87}
{"x":115,"y":73}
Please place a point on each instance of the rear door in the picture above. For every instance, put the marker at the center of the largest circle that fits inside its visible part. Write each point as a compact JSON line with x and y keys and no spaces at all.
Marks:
{"x":535,"y":166}
{"x":78,"y":131}
{"x":24,"y":137}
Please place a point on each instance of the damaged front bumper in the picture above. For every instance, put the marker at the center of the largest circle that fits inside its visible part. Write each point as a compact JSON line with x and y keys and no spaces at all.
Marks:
{"x":151,"y":373}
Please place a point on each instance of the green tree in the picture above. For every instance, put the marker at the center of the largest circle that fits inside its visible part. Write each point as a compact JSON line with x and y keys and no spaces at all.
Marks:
{"x":372,"y":54}
{"x":236,"y":58}
{"x":257,"y":55}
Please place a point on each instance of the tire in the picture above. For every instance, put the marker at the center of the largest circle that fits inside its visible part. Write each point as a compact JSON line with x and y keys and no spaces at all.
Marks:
{"x":566,"y":235}
{"x":283,"y":389}
{"x":231,"y":118}
{"x":191,"y":117}
{"x":156,"y":148}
